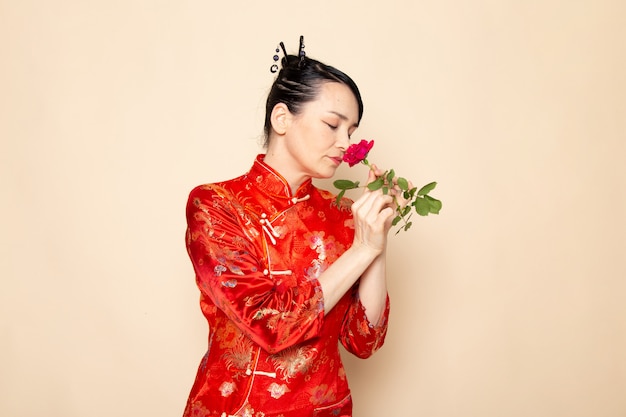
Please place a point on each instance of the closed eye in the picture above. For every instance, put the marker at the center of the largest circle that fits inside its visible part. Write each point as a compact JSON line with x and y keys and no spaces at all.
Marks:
{"x":333,"y":127}
{"x":350,"y":132}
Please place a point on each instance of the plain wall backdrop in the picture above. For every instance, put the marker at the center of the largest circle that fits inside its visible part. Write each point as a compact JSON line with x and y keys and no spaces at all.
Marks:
{"x":510,"y":303}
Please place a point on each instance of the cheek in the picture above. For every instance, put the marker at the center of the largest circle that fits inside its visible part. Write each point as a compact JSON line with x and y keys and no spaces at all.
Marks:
{"x":328,"y":137}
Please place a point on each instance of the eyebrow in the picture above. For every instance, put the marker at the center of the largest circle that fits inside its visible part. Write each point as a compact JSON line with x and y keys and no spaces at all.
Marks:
{"x":342,"y":117}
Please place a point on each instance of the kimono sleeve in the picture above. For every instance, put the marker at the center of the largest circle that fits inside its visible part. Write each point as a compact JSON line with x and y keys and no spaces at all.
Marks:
{"x":358,"y":335}
{"x":225,"y":247}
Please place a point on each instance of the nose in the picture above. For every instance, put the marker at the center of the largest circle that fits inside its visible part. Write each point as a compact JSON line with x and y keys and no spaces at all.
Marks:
{"x":343,"y":141}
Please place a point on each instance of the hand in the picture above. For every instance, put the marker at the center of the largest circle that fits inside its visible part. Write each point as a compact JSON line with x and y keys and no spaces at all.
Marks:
{"x":373,"y":213}
{"x":406,"y":197}
{"x":399,"y":195}
{"x":400,"y":202}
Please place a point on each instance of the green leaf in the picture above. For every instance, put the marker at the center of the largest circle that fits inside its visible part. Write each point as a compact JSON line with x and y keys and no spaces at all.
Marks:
{"x":396,"y":220}
{"x":345,"y":184}
{"x":406,"y":210}
{"x":408,"y":226}
{"x":403,"y":184}
{"x":339,"y":197}
{"x":427,"y":188}
{"x":434,"y":204}
{"x":390,"y":176}
{"x":421,"y":206}
{"x":385,"y":190}
{"x":376,"y":184}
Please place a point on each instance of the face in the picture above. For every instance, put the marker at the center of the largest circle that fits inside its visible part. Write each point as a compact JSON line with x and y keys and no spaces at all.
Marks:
{"x":317,"y":137}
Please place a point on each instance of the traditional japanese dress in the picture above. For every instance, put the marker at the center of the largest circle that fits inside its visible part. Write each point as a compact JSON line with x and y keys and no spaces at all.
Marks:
{"x":257,"y":251}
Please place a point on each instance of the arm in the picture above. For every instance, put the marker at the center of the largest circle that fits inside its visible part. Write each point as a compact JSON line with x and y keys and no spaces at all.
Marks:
{"x":373,"y":289}
{"x":229,"y":262}
{"x":360,"y":336}
{"x":365,"y":259}
{"x":365,"y":323}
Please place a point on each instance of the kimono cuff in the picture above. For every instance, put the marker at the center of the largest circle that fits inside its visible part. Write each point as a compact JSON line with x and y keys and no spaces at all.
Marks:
{"x":382,"y":320}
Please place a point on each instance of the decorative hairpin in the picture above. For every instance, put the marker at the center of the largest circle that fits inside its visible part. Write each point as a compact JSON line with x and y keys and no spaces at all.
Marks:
{"x":301,"y":52}
{"x":276,"y":57}
{"x":274,"y":67}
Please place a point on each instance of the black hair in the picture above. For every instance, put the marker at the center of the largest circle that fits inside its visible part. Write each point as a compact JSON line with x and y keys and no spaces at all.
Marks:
{"x":298,"y":82}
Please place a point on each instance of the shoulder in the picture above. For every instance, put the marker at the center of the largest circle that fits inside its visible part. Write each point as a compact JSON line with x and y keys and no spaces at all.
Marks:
{"x":217,"y":195}
{"x":222,"y":188}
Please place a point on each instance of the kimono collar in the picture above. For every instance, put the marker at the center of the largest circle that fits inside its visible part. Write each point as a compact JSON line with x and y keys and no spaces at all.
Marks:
{"x":274,"y":185}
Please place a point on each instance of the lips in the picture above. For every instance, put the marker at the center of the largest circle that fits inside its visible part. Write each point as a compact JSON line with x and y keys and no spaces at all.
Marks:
{"x":337,"y":159}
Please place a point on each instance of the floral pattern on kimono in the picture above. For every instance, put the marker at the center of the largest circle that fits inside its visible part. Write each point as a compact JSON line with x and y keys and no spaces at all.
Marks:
{"x":257,"y":251}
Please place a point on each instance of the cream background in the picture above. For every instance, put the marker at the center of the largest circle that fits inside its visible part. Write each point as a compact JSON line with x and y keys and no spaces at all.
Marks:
{"x":510,"y":303}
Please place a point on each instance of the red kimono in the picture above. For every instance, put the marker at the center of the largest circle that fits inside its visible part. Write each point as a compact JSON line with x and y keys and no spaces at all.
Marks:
{"x":257,"y":251}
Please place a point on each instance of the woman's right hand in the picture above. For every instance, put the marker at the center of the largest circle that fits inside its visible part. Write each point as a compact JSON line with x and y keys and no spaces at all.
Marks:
{"x":373,"y":213}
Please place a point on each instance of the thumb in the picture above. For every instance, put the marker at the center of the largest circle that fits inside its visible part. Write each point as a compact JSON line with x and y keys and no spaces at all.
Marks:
{"x":372,"y":173}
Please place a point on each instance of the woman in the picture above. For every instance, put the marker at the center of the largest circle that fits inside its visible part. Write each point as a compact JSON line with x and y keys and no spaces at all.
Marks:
{"x":284,"y":272}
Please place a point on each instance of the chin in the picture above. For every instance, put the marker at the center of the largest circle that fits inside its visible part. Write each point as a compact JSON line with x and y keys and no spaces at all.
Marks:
{"x":328,"y":173}
{"x":324,"y":175}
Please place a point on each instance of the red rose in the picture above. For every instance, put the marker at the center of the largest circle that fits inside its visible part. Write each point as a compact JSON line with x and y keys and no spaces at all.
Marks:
{"x":357,"y":152}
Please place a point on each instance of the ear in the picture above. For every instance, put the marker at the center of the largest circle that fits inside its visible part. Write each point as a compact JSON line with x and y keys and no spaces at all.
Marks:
{"x":280,"y":118}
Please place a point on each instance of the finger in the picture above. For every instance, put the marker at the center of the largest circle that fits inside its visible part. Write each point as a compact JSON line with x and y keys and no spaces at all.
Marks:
{"x":364,"y":203}
{"x":374,"y":207}
{"x":384,"y":219}
{"x":369,"y":213}
{"x":377,"y":170}
{"x":371,"y":175}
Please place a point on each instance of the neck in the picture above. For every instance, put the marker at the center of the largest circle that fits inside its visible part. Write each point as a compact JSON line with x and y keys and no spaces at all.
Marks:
{"x":280,"y":163}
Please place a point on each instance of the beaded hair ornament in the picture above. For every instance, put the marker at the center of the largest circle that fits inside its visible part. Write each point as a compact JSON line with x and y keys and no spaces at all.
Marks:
{"x":301,"y":54}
